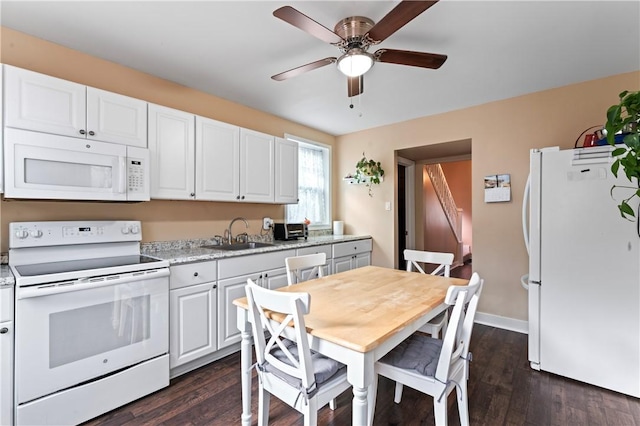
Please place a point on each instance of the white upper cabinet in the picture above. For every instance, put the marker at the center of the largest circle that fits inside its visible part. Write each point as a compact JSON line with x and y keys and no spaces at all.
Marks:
{"x":42,"y":103}
{"x":172,"y":151}
{"x":35,"y":101}
{"x":116,"y":118}
{"x":1,"y":137}
{"x":256,"y":167}
{"x":286,"y":171}
{"x":217,"y":160}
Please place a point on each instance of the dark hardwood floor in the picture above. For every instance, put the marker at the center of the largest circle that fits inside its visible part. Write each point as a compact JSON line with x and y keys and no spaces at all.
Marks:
{"x":503,"y":390}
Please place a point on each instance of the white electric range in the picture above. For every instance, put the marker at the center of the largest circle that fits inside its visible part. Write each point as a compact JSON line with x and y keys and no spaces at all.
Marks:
{"x":91,"y":319}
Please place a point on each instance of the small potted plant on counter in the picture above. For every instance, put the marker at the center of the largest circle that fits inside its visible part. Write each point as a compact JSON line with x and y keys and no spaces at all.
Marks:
{"x":623,"y":124}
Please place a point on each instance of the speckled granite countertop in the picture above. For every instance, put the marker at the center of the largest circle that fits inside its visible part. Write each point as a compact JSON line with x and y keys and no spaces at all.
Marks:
{"x":6,"y":277}
{"x":181,"y":251}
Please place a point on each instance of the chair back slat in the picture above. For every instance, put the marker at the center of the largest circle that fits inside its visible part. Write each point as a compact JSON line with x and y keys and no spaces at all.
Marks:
{"x":296,"y":264}
{"x":443,"y":260}
{"x":455,"y":345}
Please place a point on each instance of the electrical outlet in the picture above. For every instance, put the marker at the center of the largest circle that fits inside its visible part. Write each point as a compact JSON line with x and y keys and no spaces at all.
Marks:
{"x":267,"y":223}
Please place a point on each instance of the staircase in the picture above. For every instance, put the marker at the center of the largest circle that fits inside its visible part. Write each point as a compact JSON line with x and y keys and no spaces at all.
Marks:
{"x":451,"y":211}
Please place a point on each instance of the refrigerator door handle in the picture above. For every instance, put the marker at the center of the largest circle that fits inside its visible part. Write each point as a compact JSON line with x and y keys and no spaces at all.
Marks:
{"x":525,"y":216}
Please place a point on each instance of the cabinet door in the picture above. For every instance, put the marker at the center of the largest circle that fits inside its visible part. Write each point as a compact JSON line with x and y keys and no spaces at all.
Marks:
{"x":286,"y":171}
{"x":193,"y":322}
{"x":275,"y":278}
{"x":256,"y":167}
{"x":172,"y":150}
{"x":6,"y":372}
{"x":342,"y":264}
{"x":116,"y":118}
{"x":217,"y":160}
{"x":35,"y":101}
{"x":228,"y":291}
{"x":1,"y":135}
{"x":362,"y":259}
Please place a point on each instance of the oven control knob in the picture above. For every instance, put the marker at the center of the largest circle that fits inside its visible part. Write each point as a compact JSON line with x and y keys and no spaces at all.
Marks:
{"x":36,"y":233}
{"x":125,"y":230}
{"x":134,"y":229}
{"x":22,"y":234}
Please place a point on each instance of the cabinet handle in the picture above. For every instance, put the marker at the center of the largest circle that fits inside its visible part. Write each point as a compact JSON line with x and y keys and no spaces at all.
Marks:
{"x":92,"y":133}
{"x":242,"y":197}
{"x":4,"y":330}
{"x":266,"y":275}
{"x":214,"y":286}
{"x":193,"y":194}
{"x":82,"y":132}
{"x":238,"y":197}
{"x":195,"y":274}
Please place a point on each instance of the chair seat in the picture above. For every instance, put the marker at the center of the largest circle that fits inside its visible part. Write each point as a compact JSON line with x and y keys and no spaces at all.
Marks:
{"x":419,"y":352}
{"x":323,"y":368}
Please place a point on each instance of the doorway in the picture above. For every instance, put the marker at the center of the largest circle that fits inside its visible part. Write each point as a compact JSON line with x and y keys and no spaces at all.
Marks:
{"x":409,"y":201}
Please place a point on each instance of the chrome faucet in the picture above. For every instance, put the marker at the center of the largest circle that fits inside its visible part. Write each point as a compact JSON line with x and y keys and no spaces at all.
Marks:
{"x":228,"y":232}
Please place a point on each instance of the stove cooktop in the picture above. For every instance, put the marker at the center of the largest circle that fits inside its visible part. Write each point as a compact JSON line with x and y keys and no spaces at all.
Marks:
{"x":50,"y":268}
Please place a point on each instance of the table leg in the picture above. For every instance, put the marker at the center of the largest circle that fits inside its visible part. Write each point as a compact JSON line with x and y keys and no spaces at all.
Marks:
{"x":360,"y":412}
{"x":245,"y":365}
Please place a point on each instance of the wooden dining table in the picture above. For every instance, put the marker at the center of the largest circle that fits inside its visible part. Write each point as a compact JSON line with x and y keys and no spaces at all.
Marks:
{"x":356,"y":317}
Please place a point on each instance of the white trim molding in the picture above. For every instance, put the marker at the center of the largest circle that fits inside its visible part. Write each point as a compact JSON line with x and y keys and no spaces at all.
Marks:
{"x":519,"y":326}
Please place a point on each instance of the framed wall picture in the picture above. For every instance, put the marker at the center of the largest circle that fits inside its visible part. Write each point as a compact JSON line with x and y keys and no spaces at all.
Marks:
{"x":497,"y":188}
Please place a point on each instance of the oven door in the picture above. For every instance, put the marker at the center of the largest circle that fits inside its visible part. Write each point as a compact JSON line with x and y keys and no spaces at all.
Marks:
{"x":76,"y":332}
{"x":44,"y":166}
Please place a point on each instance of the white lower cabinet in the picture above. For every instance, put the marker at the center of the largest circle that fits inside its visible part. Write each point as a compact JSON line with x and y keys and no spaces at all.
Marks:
{"x":351,"y":255}
{"x":193,"y":312}
{"x":266,"y":269}
{"x":6,"y":355}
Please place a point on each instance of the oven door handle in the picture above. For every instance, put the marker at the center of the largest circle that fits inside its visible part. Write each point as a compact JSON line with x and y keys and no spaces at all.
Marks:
{"x":88,"y":283}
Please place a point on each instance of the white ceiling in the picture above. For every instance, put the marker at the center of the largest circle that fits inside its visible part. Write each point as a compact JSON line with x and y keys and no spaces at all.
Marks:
{"x":496,"y":50}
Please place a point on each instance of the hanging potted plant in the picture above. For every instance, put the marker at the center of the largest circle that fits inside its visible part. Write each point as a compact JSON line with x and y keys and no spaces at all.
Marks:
{"x":369,"y":172}
{"x":623,"y":124}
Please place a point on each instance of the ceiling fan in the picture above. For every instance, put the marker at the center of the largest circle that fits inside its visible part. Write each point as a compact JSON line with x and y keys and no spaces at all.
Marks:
{"x":354,"y":35}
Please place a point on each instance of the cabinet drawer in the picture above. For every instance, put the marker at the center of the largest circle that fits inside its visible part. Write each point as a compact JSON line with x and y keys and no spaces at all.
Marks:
{"x":242,"y":265}
{"x":351,"y":247}
{"x":6,"y":304}
{"x":326,"y":249}
{"x":192,"y":273}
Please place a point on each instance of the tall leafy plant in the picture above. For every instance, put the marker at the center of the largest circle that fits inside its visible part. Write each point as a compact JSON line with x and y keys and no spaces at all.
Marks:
{"x":624,"y":119}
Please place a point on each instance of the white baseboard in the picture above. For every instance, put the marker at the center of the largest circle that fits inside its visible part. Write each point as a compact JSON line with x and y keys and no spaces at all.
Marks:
{"x":505,"y":323}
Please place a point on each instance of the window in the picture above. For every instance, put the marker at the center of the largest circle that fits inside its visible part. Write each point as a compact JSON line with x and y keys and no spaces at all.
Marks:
{"x":314,"y":185}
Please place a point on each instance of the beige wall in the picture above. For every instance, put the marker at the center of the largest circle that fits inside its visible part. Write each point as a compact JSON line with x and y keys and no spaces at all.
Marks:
{"x":162,"y":220}
{"x":502,"y":134}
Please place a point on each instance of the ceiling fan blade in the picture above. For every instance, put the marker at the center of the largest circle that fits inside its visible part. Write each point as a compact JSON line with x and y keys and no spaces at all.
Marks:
{"x":401,"y":15}
{"x":302,"y":69}
{"x":302,"y":21}
{"x":407,"y":57}
{"x":355,"y":85}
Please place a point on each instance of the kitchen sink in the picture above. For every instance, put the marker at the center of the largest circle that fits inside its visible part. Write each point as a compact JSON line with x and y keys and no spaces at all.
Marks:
{"x":238,"y":246}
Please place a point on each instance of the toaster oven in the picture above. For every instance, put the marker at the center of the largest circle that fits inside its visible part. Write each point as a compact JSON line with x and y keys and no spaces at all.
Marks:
{"x":290,"y":231}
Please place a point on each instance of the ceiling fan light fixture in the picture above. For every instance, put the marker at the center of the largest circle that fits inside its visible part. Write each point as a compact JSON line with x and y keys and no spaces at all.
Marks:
{"x":355,"y":62}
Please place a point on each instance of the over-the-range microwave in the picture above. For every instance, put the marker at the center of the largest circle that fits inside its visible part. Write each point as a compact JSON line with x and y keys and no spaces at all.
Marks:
{"x":45,"y":166}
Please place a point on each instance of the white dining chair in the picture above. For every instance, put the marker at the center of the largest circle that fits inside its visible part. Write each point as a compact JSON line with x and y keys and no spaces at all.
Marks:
{"x":286,"y":366}
{"x":443,"y":261}
{"x":433,"y":366}
{"x":298,"y":267}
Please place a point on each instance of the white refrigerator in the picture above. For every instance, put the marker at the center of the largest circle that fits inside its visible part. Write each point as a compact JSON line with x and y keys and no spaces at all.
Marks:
{"x":584,"y":271}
